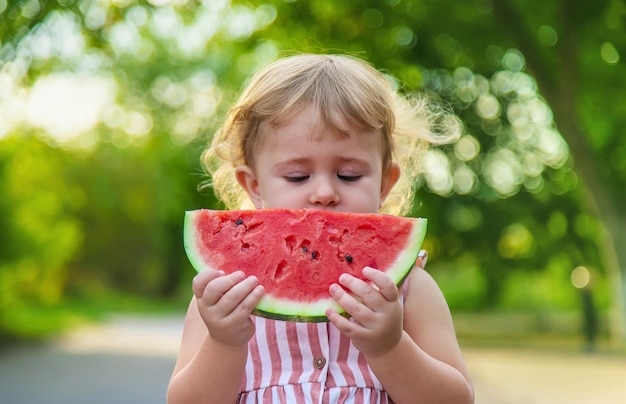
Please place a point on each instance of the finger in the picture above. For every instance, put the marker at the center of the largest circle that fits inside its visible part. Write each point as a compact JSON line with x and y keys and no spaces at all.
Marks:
{"x":342,"y":323}
{"x":219,"y":286}
{"x":251,"y":300}
{"x":422,"y":258}
{"x":386,"y":287}
{"x":357,"y":287}
{"x":238,"y":294}
{"x":202,"y":279}
{"x":349,"y":302}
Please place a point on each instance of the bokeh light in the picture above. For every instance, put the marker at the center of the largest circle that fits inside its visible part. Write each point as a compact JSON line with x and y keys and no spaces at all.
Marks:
{"x":580,"y":277}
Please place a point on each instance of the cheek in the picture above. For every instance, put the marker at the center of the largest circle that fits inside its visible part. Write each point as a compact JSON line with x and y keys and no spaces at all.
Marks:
{"x":367,"y":198}
{"x":274,"y":194}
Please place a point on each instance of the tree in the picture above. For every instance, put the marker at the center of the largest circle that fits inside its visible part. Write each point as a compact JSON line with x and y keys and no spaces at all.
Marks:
{"x":580,"y":77}
{"x":562,"y":52}
{"x":523,"y":76}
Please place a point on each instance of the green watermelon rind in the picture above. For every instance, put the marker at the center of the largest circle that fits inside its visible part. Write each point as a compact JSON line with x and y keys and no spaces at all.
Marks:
{"x":290,"y":310}
{"x":189,"y":235}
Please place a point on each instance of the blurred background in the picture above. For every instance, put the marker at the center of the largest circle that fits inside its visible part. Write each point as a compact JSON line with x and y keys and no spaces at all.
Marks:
{"x":106,"y":105}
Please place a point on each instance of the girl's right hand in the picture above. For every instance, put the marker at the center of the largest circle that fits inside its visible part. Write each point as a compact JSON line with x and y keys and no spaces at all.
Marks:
{"x":225,"y":303}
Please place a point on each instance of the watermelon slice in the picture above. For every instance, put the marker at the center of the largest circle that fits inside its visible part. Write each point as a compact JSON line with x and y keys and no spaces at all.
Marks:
{"x":298,"y":254}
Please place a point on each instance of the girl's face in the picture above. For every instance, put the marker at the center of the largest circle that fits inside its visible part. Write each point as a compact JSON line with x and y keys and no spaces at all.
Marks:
{"x":303,"y":164}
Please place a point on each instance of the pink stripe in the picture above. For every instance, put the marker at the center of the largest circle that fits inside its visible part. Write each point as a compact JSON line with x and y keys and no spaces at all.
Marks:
{"x":255,"y":356}
{"x":342,"y":357}
{"x":296,"y":354}
{"x":272,"y":349}
{"x":365,"y":371}
{"x":334,"y":370}
{"x":344,"y":394}
{"x":316,"y":392}
{"x":331,"y":381}
{"x":282,"y":395}
{"x":316,"y":348}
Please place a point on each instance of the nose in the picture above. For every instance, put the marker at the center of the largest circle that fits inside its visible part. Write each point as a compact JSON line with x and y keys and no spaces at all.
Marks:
{"x":324,"y":192}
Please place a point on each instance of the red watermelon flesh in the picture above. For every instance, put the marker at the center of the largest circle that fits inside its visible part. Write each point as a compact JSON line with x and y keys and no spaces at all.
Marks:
{"x":298,"y":254}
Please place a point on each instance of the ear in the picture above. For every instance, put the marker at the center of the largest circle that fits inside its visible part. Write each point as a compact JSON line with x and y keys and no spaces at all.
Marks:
{"x":390,"y":176}
{"x":247,"y":179}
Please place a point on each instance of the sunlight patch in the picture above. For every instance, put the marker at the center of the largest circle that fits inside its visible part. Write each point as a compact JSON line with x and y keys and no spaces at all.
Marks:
{"x":67,"y":105}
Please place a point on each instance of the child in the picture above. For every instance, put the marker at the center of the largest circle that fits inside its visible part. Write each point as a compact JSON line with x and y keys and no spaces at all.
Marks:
{"x":321,"y":132}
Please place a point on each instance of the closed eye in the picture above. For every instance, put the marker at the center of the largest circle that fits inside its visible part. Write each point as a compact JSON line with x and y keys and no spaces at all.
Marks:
{"x":297,"y":178}
{"x":348,"y":178}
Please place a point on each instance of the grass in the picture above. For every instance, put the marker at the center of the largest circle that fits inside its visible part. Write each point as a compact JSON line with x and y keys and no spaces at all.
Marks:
{"x":31,"y":323}
{"x":554,"y":332}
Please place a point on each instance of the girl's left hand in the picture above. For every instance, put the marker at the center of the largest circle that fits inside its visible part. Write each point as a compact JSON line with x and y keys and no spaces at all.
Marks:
{"x":375,"y":308}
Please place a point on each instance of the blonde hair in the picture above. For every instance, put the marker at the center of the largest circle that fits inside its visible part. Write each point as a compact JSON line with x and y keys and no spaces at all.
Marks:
{"x":341,"y":87}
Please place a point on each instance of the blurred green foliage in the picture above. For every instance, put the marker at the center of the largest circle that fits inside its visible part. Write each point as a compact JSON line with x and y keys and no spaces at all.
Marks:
{"x":35,"y":191}
{"x":105,"y":107}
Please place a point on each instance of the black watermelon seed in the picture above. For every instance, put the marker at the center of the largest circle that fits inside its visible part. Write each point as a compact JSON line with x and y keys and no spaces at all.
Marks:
{"x":238,"y":222}
{"x":314,"y":254}
{"x":348,"y":258}
{"x":304,"y":249}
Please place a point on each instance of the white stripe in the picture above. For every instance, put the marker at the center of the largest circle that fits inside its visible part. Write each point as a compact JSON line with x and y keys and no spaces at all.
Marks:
{"x":305,"y":348}
{"x":307,"y":391}
{"x":249,"y":370}
{"x":324,"y":341}
{"x":334,"y":338}
{"x":333,"y":395}
{"x":283,"y":351}
{"x":353,"y":354}
{"x":290,"y":396}
{"x":264,"y":353}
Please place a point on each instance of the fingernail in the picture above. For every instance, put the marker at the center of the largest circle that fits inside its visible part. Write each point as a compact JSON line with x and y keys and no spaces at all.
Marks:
{"x":423,"y":256}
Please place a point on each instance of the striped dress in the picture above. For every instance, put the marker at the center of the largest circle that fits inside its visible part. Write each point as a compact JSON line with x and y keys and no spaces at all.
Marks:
{"x":298,"y":363}
{"x":292,"y":362}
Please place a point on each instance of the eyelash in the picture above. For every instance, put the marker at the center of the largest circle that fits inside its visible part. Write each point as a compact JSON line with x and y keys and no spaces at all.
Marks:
{"x":302,"y":178}
{"x":349,"y":178}
{"x":299,"y":178}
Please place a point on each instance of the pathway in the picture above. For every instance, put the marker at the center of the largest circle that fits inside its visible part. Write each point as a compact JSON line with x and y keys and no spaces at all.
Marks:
{"x":129,"y":360}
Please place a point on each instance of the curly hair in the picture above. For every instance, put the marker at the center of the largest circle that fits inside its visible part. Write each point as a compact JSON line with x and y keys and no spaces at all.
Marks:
{"x":342,"y":88}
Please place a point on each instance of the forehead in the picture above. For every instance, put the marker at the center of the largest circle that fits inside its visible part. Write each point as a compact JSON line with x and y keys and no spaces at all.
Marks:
{"x":295,"y":132}
{"x":303,"y":138}
{"x":312,"y":123}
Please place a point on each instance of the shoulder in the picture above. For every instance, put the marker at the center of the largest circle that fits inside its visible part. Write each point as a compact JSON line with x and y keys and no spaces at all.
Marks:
{"x":426,"y":309}
{"x":422,"y":286}
{"x":428,"y":321}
